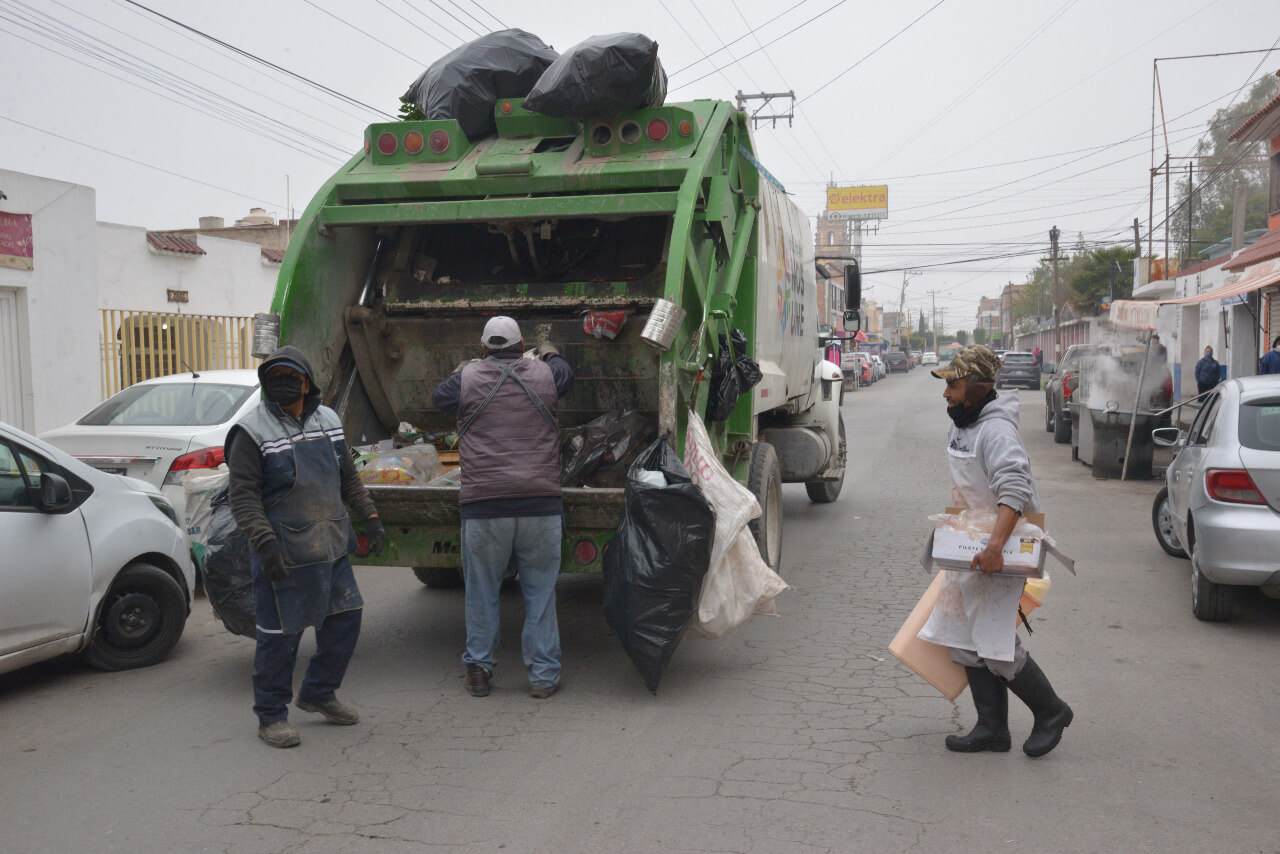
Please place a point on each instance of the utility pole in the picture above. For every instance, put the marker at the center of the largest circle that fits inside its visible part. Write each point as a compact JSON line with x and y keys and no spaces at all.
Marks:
{"x":933,"y":318}
{"x":1057,"y":296}
{"x":902,"y":299}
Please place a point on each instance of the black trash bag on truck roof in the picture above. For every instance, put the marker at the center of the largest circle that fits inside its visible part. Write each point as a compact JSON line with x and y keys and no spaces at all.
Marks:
{"x":654,"y":566}
{"x":228,"y":580}
{"x":465,"y":83}
{"x":735,"y":373}
{"x":602,"y":76}
{"x":599,"y":453}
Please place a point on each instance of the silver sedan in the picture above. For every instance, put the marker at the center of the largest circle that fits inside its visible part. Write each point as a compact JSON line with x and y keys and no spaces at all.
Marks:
{"x":1221,"y":501}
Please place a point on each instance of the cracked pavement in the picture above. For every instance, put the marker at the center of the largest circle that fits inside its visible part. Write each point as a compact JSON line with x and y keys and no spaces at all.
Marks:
{"x":796,"y":732}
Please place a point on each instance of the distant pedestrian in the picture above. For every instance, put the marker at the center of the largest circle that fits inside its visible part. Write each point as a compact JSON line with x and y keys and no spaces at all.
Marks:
{"x":1270,"y":363}
{"x":1038,"y":355}
{"x":977,"y":612}
{"x":1208,"y":371}
{"x":1158,"y":349}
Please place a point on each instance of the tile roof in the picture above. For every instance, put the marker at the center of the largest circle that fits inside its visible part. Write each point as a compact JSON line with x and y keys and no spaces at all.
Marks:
{"x":1267,"y":247}
{"x":1200,"y":266}
{"x":167,"y":241}
{"x":1255,"y":118}
{"x":275,"y":255}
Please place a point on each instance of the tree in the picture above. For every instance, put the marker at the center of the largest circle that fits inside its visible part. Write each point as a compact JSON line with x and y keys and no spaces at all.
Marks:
{"x":1096,"y":274}
{"x":980,"y":335}
{"x":962,"y":337}
{"x":409,"y":111}
{"x":923,"y":324}
{"x":918,"y":342}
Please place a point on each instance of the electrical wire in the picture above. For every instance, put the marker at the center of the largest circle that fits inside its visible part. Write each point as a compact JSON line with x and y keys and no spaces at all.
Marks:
{"x":365,"y":33}
{"x":706,"y":56}
{"x":431,"y":36}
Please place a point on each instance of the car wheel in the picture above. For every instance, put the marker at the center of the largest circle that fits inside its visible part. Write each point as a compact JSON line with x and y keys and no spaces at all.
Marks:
{"x":1062,"y":429}
{"x":1048,"y":418}
{"x":1210,"y":601}
{"x":439,"y":577}
{"x":826,"y":491}
{"x":765,"y":482}
{"x":140,"y":620}
{"x":1162,"y":522}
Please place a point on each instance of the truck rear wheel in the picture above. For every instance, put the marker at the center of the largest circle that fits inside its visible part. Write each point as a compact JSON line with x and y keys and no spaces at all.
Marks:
{"x":827,"y":491}
{"x":765,"y":482}
{"x":439,"y":577}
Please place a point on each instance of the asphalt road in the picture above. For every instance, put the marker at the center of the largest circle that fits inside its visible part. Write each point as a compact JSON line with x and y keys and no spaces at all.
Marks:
{"x":798,"y":732}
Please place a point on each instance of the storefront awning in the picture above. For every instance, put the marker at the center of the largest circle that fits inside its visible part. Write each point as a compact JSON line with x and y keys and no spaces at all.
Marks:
{"x":1141,"y":314}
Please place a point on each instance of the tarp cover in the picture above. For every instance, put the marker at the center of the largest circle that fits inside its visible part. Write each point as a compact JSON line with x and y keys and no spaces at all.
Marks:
{"x":465,"y":83}
{"x":602,"y":76}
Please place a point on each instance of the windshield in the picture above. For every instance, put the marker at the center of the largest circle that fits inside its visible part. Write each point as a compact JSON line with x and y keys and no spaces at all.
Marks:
{"x":1019,"y":359}
{"x":170,"y":405}
{"x":1260,"y":424}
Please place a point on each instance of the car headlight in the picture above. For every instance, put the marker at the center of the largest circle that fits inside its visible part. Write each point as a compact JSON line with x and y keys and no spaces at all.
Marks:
{"x":162,"y":504}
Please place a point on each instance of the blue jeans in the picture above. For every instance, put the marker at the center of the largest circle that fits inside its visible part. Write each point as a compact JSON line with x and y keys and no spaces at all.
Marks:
{"x":487,"y":547}
{"x":274,"y":659}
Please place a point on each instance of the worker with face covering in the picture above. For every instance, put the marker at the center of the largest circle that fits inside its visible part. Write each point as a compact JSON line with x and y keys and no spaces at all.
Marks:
{"x":977,"y":611}
{"x":1208,"y":372}
{"x":290,"y":477}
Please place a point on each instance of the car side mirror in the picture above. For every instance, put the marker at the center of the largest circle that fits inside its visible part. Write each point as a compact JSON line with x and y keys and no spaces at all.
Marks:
{"x":55,"y":493}
{"x":1167,"y":437}
{"x":1046,"y":368}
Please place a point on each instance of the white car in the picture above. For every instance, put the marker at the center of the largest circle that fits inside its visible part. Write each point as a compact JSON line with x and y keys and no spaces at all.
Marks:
{"x":878,"y":366}
{"x":93,"y":563}
{"x":158,"y":430}
{"x":929,"y":358}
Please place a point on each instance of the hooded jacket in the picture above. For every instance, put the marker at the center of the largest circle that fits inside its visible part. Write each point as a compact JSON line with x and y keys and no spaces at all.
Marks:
{"x":269,"y":430}
{"x":998,"y":449}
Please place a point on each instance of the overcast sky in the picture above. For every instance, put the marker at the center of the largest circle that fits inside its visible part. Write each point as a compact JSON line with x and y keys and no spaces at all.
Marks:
{"x":941,"y":113}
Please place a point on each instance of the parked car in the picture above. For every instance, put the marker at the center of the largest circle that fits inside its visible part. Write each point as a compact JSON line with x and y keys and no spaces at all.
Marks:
{"x":917,"y":357}
{"x":1062,"y":381}
{"x":1018,"y":369}
{"x":929,"y":358}
{"x":159,"y":429}
{"x":95,"y":564}
{"x":897,"y":361}
{"x":1221,"y":501}
{"x":878,"y":366}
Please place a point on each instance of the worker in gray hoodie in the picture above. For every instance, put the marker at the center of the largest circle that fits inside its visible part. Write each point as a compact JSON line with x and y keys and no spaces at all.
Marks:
{"x":977,"y":611}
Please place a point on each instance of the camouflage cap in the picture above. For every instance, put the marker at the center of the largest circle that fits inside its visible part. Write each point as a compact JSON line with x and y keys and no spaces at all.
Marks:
{"x":974,"y":361}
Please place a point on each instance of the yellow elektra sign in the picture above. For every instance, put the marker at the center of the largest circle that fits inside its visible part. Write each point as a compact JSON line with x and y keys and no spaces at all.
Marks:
{"x":858,"y":202}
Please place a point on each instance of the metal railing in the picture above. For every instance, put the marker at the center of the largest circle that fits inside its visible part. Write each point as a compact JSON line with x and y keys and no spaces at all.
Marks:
{"x":141,"y":345}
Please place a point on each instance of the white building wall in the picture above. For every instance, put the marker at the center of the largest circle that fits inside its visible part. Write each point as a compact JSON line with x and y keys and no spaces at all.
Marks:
{"x":232,"y":278}
{"x":57,"y":300}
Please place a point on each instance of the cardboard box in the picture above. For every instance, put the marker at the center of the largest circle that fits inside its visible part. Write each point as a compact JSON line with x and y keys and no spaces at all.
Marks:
{"x":1023,"y":556}
{"x":930,"y":661}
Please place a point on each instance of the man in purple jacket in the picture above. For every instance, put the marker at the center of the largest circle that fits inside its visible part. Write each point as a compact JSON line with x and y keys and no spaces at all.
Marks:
{"x":510,"y":496}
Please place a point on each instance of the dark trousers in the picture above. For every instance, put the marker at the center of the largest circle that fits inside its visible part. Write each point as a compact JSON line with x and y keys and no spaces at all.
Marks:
{"x":276,"y":655}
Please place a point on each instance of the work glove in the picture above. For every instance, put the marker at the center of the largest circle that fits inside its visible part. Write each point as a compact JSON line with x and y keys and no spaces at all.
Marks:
{"x":271,"y":556}
{"x":375,"y":535}
{"x":545,"y":349}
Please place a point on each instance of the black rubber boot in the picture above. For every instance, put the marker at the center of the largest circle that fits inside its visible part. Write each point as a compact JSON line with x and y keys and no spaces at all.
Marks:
{"x":1052,"y":715}
{"x":991,"y":699}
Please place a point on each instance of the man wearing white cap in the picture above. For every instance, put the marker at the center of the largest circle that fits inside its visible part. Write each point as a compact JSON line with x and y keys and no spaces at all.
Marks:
{"x":510,"y":496}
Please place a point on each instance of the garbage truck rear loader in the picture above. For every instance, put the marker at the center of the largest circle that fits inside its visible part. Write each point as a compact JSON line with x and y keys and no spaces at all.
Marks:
{"x":663,"y":213}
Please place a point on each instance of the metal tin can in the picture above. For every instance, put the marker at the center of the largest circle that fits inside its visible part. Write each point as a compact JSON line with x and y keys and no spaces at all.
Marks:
{"x":663,"y":324}
{"x":266,"y":334}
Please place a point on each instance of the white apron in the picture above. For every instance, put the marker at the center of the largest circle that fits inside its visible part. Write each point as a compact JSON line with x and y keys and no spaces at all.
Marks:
{"x":974,"y":611}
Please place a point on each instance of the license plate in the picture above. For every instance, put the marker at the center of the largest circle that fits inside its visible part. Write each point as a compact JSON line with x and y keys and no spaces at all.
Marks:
{"x":112,"y":469}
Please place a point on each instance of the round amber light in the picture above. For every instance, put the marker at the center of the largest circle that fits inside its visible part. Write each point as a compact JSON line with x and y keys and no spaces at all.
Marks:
{"x":413,"y":142}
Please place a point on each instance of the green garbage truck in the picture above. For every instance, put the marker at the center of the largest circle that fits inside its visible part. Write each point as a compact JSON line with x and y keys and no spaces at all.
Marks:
{"x":664,"y":214}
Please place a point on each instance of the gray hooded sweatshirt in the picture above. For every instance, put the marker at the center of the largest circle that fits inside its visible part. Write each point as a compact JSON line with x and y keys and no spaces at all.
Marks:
{"x":997,"y":447}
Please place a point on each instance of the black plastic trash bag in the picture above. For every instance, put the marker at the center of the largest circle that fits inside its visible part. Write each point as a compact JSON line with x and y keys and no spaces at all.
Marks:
{"x":734,"y":374}
{"x":465,"y":83}
{"x":228,"y":581}
{"x":653,"y":568}
{"x":602,"y":76}
{"x":599,"y":453}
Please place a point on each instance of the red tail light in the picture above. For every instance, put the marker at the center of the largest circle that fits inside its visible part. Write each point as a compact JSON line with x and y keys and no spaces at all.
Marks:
{"x":387,"y":143}
{"x":205,"y":458}
{"x":1168,"y":388}
{"x":658,"y":129}
{"x":1067,"y":387}
{"x":438,"y":141}
{"x":584,"y":551}
{"x":1233,"y":486}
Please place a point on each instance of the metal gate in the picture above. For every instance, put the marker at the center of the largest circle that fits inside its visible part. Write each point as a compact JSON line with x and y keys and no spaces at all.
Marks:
{"x":140,"y":345}
{"x":12,"y":363}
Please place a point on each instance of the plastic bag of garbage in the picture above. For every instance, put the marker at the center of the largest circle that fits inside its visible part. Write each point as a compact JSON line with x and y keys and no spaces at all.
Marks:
{"x":452,"y":477}
{"x":228,"y":580}
{"x":735,"y":373}
{"x":653,"y":568}
{"x":200,"y":486}
{"x":599,"y":453}
{"x":416,"y":465}
{"x":602,"y":76}
{"x":739,"y":583}
{"x":465,"y":83}
{"x":982,"y":520}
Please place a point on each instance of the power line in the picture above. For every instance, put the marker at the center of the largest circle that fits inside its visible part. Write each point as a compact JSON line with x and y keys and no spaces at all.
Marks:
{"x":365,"y":33}
{"x":781,"y":14}
{"x":485,"y":9}
{"x":429,"y":35}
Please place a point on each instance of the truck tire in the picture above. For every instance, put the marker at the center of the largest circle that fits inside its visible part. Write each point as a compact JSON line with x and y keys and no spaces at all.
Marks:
{"x":439,"y":577}
{"x":765,"y":482}
{"x":826,"y":491}
{"x":140,"y":621}
{"x":1062,"y":428}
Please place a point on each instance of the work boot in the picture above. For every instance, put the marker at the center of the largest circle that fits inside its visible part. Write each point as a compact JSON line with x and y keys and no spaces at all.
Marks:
{"x":279,"y":734}
{"x":992,"y":702}
{"x":477,"y":680}
{"x":542,"y":692}
{"x":334,"y":712}
{"x":1052,"y":715}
